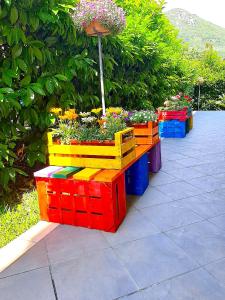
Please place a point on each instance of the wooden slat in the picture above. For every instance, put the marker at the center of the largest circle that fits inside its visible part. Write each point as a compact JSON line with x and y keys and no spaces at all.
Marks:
{"x":86,"y":174}
{"x":66,"y":172}
{"x":107,"y":175}
{"x":47,"y":172}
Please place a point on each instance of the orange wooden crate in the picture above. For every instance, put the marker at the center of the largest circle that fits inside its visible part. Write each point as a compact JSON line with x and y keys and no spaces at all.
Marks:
{"x":146,"y":134}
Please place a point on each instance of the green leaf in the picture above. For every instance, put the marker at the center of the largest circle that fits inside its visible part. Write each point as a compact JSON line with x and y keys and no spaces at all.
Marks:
{"x":21,"y":172}
{"x":37,"y":53}
{"x":49,"y":86}
{"x":37,"y":88}
{"x":16,"y":51}
{"x":22,"y":65}
{"x":36,"y":43}
{"x":13,"y":15}
{"x":29,"y":98}
{"x":6,"y":90}
{"x":61,"y":77}
{"x":34,"y":21}
{"x":23,"y":17}
{"x":15,"y":104}
{"x":7,"y":79}
{"x":1,"y":97}
{"x":25,"y":81}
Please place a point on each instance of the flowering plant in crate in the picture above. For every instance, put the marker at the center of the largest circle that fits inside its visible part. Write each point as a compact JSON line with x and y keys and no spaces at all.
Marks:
{"x":102,"y":15}
{"x":72,"y":128}
{"x":177,"y":103}
{"x":142,"y":116}
{"x":88,"y":140}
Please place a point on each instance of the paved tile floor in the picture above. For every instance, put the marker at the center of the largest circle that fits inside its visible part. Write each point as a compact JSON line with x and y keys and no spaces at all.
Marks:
{"x":170,"y":247}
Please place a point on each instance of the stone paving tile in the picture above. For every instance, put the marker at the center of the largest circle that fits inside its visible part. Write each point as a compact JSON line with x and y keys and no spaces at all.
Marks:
{"x":151,"y":197}
{"x":203,"y":241}
{"x":172,"y":155}
{"x":68,"y":242}
{"x":135,"y":296}
{"x":185,"y":173}
{"x":34,"y":258}
{"x":207,"y":183}
{"x":219,"y":221}
{"x":168,"y":216}
{"x":196,"y":285}
{"x":217,"y":269}
{"x":170,"y":165}
{"x":211,"y":168}
{"x":189,"y":162}
{"x":134,"y":227}
{"x":154,"y":259}
{"x":33,"y":285}
{"x":161,"y":178}
{"x":178,"y":190}
{"x":206,"y":205}
{"x":99,"y":276}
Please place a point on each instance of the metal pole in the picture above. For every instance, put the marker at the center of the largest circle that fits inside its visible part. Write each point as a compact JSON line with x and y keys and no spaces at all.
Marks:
{"x":199,"y":95}
{"x":101,"y":73}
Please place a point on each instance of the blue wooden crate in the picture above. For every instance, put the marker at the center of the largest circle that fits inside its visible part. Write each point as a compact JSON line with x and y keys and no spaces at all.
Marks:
{"x":137,"y":177}
{"x":172,"y":129}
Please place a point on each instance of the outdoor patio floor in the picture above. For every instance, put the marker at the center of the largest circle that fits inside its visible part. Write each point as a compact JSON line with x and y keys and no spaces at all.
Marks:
{"x":171,"y":245}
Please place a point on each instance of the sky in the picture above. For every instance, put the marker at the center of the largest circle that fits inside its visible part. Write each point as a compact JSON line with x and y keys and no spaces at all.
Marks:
{"x":211,"y":10}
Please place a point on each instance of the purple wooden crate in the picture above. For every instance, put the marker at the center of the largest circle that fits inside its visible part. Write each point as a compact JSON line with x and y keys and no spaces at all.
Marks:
{"x":154,"y":158}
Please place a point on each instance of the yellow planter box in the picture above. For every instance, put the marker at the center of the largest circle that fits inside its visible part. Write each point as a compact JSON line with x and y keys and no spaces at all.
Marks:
{"x":94,"y":156}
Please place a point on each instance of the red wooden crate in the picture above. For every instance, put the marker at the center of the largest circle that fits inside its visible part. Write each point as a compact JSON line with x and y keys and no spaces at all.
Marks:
{"x":96,"y":205}
{"x":180,"y":115}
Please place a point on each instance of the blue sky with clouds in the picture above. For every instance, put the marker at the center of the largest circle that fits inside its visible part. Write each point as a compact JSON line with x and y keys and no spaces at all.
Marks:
{"x":211,"y":10}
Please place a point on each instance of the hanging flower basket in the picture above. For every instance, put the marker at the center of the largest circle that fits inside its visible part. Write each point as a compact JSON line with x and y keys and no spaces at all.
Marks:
{"x":99,"y":17}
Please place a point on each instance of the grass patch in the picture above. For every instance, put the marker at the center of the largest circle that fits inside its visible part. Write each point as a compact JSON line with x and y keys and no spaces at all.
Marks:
{"x":17,"y":219}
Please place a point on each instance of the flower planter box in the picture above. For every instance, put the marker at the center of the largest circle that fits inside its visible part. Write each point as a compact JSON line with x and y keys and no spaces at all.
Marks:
{"x":146,"y":134}
{"x":90,"y":204}
{"x":180,"y":115}
{"x":102,"y":156}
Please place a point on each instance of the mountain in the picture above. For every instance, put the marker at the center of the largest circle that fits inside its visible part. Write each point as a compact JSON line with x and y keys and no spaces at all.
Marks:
{"x":197,"y":31}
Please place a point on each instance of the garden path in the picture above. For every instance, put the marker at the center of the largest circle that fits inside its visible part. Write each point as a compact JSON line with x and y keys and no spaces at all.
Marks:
{"x":170,"y":247}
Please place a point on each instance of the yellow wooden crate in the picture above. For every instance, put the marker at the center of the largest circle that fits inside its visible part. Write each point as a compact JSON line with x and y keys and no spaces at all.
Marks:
{"x":95,"y":156}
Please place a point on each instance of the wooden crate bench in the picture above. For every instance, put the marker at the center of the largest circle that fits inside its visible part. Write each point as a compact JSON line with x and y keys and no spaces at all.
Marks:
{"x":87,"y":197}
{"x":95,"y":156}
{"x":146,"y":134}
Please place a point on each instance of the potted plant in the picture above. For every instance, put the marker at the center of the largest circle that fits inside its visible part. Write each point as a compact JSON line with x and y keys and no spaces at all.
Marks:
{"x":99,"y":17}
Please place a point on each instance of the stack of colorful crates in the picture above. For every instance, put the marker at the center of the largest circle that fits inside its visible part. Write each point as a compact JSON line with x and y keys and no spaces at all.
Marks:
{"x":175,"y":124}
{"x":89,"y":196}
